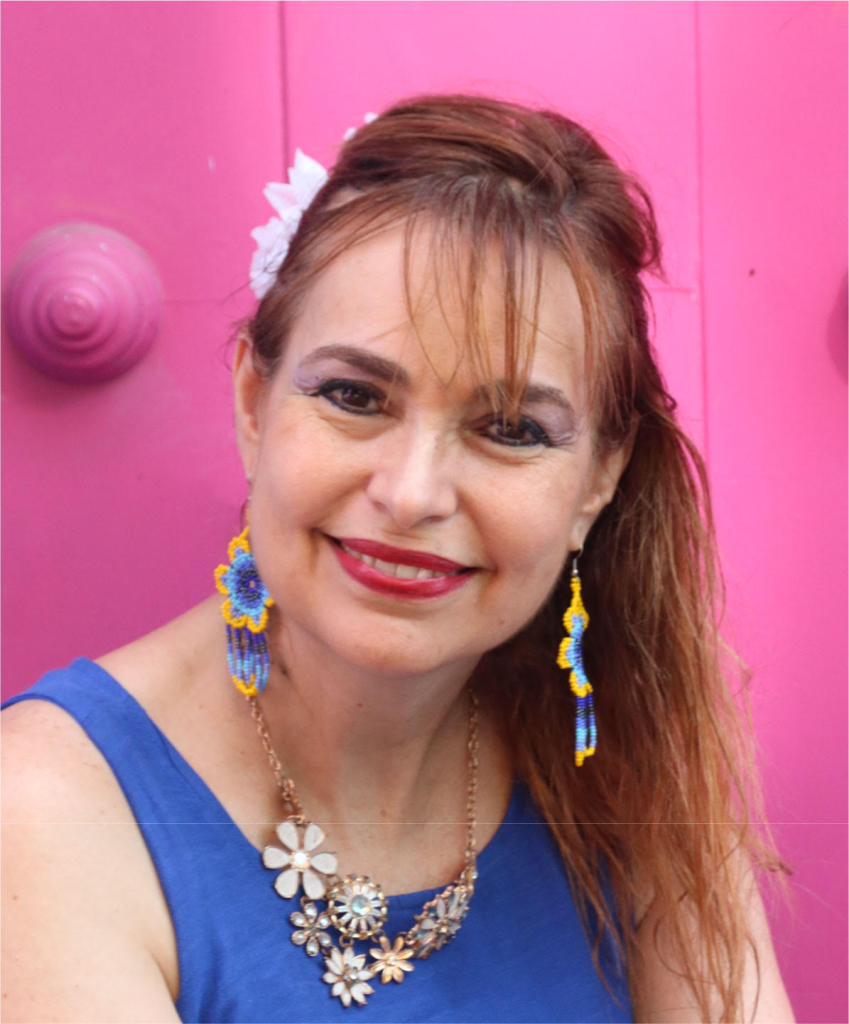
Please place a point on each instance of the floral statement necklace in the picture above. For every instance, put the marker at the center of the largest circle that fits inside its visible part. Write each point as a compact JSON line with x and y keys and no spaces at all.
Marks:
{"x":355,"y":906}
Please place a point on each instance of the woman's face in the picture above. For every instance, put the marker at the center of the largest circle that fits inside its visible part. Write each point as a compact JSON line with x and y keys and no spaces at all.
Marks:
{"x":333,"y":449}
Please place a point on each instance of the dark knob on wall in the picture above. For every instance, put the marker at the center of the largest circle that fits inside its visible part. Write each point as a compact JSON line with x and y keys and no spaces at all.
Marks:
{"x":82,"y":302}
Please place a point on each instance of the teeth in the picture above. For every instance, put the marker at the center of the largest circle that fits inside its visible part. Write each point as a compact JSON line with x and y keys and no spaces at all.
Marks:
{"x":387,"y":567}
{"x":402,"y":572}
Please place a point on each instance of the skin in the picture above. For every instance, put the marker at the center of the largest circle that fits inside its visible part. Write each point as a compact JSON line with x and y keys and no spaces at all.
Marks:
{"x":365,"y":703}
{"x":426,"y":469}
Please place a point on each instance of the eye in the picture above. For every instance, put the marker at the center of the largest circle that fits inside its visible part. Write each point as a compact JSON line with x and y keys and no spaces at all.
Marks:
{"x":353,"y":397}
{"x":523,"y":427}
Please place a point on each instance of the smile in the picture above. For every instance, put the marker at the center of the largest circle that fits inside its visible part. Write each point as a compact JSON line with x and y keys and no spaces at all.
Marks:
{"x":398,"y":570}
{"x":397,"y":579}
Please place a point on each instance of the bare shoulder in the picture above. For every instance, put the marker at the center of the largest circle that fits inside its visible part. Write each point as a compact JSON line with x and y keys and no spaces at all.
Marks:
{"x":86,"y":930}
{"x":668,"y":997}
{"x":162,"y":669}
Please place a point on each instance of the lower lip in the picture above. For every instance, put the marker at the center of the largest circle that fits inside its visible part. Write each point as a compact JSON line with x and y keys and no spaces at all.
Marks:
{"x":391,"y":585}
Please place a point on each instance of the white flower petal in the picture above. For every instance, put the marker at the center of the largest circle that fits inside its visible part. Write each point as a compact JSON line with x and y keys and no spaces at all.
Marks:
{"x":330,"y":977}
{"x":265,"y":235}
{"x":282,"y":197}
{"x":335,"y":962}
{"x":313,"y":837}
{"x":287,"y":883}
{"x":324,"y":862}
{"x":337,"y":988}
{"x":288,"y":835}
{"x":345,"y":996}
{"x":274,"y":857}
{"x":358,"y":992}
{"x":307,"y":177}
{"x":351,"y":132}
{"x":313,"y":884}
{"x":289,"y":202}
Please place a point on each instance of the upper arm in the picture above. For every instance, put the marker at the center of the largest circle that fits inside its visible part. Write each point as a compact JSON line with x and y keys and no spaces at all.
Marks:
{"x":668,"y":998}
{"x":79,"y":940}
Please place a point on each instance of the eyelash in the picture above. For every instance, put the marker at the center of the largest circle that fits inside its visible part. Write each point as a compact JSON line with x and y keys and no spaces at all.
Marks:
{"x":327,"y":389}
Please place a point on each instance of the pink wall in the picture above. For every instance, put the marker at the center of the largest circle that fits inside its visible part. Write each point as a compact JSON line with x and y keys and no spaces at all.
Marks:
{"x":165,"y":120}
{"x":773,"y":126}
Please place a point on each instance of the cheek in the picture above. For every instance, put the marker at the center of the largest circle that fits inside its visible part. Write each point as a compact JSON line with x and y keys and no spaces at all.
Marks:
{"x":527,"y":533}
{"x":302,"y":470}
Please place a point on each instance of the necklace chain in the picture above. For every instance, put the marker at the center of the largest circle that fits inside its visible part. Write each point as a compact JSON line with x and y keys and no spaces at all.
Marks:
{"x":290,"y":795}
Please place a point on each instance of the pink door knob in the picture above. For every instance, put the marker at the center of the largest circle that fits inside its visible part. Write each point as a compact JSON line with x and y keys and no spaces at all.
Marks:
{"x":82,"y":302}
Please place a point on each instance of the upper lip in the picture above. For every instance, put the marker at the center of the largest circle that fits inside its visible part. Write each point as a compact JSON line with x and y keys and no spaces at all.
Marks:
{"x":401,"y":556}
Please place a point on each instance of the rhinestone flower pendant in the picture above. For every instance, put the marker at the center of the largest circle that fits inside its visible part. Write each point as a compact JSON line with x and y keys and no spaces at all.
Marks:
{"x":357,"y":907}
{"x":440,"y":920}
{"x":311,"y":924}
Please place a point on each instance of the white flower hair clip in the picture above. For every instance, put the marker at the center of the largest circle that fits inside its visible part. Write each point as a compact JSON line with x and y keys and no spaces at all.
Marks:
{"x":306,"y":179}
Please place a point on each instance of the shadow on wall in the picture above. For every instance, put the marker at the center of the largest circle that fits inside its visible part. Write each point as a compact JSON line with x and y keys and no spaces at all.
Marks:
{"x":838,"y":335}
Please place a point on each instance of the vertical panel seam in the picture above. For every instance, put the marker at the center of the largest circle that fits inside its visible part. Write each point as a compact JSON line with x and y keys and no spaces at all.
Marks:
{"x":284,"y":84}
{"x":700,"y":226}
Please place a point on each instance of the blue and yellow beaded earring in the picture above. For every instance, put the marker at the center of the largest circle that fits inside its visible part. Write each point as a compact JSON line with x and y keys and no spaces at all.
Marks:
{"x":246,"y":613}
{"x":570,"y":656}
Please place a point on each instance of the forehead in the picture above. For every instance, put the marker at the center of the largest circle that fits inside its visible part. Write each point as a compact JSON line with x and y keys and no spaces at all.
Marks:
{"x":360,"y":299}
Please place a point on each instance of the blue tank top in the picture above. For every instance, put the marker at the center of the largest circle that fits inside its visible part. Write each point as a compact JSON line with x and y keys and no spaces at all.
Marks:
{"x":520,"y":955}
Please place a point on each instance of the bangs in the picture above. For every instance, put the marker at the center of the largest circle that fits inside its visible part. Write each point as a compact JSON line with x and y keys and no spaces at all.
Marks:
{"x":480,"y":230}
{"x":475,"y":230}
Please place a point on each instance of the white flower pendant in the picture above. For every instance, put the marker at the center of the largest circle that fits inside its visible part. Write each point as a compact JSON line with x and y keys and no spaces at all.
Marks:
{"x":347,"y":973}
{"x":301,"y":865}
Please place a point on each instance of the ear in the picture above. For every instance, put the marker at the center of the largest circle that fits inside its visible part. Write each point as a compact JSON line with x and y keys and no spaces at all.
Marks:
{"x":249,"y":390}
{"x":602,"y":481}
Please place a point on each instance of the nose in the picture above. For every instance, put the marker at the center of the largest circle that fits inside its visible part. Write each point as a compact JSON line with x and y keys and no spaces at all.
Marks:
{"x":415,"y":479}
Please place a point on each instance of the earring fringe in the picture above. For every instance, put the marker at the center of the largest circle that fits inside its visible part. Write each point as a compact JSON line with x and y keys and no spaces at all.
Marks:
{"x":570,"y":656}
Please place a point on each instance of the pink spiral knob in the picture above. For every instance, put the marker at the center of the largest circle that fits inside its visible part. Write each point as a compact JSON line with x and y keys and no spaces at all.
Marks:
{"x":83,"y":303}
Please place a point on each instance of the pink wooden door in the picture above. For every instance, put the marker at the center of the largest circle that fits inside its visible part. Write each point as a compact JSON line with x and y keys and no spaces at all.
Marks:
{"x":162,"y":121}
{"x":165,"y":121}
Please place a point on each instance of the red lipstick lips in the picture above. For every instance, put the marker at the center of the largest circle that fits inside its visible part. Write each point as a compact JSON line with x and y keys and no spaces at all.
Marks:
{"x":393,"y":586}
{"x":401,"y":556}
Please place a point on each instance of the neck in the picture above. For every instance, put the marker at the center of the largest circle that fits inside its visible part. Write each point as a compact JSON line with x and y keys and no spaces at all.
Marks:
{"x":361,"y":745}
{"x":380,"y":760}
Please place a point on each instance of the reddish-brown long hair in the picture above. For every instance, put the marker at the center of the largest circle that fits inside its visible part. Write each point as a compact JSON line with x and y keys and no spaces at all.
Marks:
{"x":673,"y":791}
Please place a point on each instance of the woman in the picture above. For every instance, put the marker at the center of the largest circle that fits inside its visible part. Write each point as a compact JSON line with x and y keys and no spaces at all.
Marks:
{"x":449,"y":377}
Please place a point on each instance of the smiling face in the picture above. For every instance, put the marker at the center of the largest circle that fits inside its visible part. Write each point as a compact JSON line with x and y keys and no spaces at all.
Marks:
{"x":367,"y":431}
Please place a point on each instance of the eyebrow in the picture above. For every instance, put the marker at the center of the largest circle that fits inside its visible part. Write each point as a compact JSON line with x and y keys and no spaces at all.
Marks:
{"x":387,"y":370}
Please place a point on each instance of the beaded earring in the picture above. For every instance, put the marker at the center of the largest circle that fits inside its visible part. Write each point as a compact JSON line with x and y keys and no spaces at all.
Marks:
{"x":570,"y":656}
{"x":246,"y":613}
